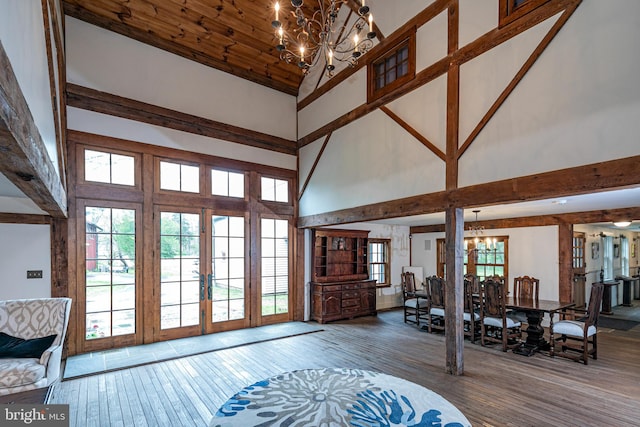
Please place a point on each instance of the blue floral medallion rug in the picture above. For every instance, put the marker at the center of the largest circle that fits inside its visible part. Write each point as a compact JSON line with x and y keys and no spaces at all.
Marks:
{"x":337,"y":397}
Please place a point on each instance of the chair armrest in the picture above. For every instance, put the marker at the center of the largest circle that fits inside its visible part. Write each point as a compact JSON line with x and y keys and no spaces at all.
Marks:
{"x":573,"y":314}
{"x":44,"y":359}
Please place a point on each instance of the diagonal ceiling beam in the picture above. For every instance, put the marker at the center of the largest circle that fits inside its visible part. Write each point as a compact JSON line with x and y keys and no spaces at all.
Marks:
{"x":24,"y":159}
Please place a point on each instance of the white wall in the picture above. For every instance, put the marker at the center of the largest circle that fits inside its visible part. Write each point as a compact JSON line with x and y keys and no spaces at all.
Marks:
{"x":22,"y":37}
{"x":573,"y":107}
{"x":533,"y":251}
{"x":24,"y":247}
{"x":106,"y":61}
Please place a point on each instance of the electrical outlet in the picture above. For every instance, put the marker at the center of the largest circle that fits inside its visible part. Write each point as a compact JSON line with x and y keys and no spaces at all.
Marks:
{"x":34,"y":274}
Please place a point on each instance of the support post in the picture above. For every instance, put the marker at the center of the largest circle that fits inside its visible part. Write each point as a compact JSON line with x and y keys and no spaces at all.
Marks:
{"x":454,"y":291}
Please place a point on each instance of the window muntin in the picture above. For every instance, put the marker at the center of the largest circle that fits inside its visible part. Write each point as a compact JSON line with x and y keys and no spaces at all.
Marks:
{"x":109,"y":168}
{"x":379,"y":260}
{"x":273,"y":189}
{"x":179,"y":177}
{"x":275,"y":266}
{"x":226,"y":183}
{"x":390,"y":68}
{"x":228,"y":268}
{"x":110,"y":280}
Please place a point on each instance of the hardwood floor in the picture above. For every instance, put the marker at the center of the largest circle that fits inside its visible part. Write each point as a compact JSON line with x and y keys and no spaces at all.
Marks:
{"x":497,"y":389}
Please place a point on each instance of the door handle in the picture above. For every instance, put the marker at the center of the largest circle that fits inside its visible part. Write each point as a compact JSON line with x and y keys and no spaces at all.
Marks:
{"x":202,"y":287}
{"x":210,"y":286}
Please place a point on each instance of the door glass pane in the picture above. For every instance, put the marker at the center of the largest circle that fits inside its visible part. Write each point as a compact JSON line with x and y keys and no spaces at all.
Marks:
{"x":275,"y":266}
{"x":179,"y":269}
{"x":110,"y":281}
{"x":228,"y":267}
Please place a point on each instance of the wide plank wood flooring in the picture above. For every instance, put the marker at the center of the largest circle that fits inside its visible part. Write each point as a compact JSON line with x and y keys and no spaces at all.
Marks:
{"x":497,"y":389}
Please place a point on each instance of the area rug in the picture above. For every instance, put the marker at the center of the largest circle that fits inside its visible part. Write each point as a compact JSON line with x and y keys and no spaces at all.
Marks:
{"x":613,"y":323}
{"x":128,"y":357}
{"x":337,"y":397}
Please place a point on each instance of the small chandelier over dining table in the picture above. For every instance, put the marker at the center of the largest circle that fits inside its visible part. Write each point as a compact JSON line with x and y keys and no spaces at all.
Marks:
{"x":477,"y":231}
{"x":321,"y":38}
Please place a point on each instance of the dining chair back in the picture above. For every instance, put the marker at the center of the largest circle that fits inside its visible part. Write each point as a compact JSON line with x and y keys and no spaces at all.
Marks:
{"x":471,"y":315}
{"x":526,"y":287}
{"x":415,"y":307}
{"x":577,"y":332}
{"x":475,"y":283}
{"x":495,"y":325}
{"x":436,"y":303}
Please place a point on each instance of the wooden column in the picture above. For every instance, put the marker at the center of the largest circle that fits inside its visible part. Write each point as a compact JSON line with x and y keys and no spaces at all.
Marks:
{"x":565,"y":260}
{"x":454,"y":291}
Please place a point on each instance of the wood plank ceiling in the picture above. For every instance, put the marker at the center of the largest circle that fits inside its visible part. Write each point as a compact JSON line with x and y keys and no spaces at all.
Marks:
{"x":235,"y":36}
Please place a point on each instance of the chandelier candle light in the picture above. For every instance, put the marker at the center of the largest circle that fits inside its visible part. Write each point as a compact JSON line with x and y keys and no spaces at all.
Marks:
{"x":320,"y":37}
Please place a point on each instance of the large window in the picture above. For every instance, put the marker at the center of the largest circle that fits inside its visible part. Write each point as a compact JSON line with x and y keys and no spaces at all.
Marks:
{"x":380,"y":260}
{"x":488,"y":256}
{"x":110,"y":280}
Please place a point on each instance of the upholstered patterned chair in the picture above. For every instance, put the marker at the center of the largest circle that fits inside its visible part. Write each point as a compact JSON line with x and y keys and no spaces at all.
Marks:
{"x":31,"y":320}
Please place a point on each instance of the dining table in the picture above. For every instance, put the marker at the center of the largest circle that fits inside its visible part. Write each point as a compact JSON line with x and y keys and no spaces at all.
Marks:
{"x":535,"y":310}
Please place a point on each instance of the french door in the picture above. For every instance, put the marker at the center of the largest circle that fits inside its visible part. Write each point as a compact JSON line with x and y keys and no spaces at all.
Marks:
{"x":202,"y":272}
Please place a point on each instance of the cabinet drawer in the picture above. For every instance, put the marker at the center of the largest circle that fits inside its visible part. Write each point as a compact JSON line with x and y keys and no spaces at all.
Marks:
{"x":329,"y":288}
{"x":351,"y":302}
{"x":350,"y":311}
{"x":350,"y":286}
{"x":351,"y":294}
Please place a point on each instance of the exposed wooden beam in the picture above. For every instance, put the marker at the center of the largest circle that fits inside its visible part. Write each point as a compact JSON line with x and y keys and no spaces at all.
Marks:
{"x":24,"y":159}
{"x":472,"y":50}
{"x":565,"y":182}
{"x":417,"y":135}
{"x":313,"y":168}
{"x":589,"y":217}
{"x":454,"y":292}
{"x":102,"y":102}
{"x":555,"y":29}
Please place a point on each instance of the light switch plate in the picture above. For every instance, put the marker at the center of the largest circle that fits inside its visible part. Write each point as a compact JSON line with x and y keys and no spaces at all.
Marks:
{"x":34,"y":274}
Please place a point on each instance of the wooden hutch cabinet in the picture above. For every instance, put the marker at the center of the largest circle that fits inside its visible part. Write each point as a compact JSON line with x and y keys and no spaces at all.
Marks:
{"x":340,"y":283}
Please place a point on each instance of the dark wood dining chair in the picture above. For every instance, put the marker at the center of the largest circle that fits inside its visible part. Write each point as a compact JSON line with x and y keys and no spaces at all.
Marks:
{"x":435,"y":317}
{"x":495,"y":325}
{"x":415,"y":307}
{"x":475,"y":283}
{"x":471,"y":311}
{"x":524,"y":287}
{"x":577,"y":332}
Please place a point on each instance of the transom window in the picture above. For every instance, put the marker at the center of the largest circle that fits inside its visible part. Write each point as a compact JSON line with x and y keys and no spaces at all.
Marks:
{"x":276,"y":190}
{"x":225,"y":183}
{"x":510,"y":10}
{"x":109,"y":168}
{"x":179,"y":177}
{"x":379,"y":260}
{"x":394,"y":68}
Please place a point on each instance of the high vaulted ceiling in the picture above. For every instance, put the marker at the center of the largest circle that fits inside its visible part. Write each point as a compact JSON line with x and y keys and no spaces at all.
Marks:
{"x":235,"y":36}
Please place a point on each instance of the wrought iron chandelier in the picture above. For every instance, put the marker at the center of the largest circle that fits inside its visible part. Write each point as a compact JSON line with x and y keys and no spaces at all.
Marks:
{"x":320,"y":37}
{"x":477,"y":231}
